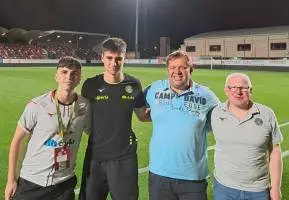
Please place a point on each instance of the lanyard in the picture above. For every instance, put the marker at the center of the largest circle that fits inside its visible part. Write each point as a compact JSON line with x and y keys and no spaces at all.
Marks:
{"x":62,"y":129}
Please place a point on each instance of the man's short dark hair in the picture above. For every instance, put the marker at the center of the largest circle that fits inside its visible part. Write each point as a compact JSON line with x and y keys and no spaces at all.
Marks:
{"x":114,"y":44}
{"x":69,"y":62}
{"x":178,"y":54}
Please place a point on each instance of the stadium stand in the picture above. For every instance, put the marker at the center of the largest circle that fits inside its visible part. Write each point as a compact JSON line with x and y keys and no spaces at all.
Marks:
{"x":22,"y":51}
{"x":20,"y":44}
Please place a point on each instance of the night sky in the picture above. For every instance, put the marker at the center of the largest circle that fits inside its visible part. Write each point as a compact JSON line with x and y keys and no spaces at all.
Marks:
{"x":177,"y":19}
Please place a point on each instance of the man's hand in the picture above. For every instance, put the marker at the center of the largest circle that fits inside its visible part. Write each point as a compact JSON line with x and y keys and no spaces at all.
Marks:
{"x":275,"y":194}
{"x":10,"y":189}
{"x":143,"y":114}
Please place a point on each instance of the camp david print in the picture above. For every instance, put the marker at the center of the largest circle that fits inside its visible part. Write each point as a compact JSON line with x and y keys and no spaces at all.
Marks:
{"x":190,"y":102}
{"x":164,"y":97}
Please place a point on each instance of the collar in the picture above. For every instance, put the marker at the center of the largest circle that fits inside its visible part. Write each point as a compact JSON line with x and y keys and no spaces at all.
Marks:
{"x":191,"y":89}
{"x":116,"y":83}
{"x":253,"y":110}
{"x":52,"y":97}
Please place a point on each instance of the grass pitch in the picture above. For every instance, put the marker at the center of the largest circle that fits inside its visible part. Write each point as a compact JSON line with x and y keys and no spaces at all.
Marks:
{"x":18,"y":85}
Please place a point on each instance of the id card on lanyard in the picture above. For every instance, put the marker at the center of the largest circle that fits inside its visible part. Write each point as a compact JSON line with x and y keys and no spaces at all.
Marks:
{"x":62,"y":155}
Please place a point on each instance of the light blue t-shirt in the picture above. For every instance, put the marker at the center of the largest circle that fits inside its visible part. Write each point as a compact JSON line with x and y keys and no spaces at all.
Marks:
{"x":178,"y":144}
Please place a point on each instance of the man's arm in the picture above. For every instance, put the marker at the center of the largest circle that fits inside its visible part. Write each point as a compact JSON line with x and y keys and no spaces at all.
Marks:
{"x":275,"y":172}
{"x":143,"y":114}
{"x":87,"y":119}
{"x":15,"y":147}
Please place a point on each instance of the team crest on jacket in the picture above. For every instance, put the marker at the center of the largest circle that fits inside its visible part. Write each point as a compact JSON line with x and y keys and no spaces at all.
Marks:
{"x":128,"y":89}
{"x":258,"y":121}
{"x":82,"y":108}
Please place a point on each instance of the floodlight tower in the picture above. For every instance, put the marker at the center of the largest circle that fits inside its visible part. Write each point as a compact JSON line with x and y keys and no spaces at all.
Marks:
{"x":136,"y":28}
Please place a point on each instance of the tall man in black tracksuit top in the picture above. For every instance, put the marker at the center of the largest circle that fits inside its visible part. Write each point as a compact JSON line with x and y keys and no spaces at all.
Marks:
{"x":111,"y":161}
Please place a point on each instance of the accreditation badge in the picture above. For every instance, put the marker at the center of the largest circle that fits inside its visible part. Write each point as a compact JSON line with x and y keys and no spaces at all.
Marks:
{"x":62,"y":158}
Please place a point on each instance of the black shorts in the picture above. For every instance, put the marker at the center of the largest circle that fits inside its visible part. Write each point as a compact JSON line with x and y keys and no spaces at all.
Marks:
{"x":27,"y":190}
{"x":161,"y":187}
{"x":119,"y":177}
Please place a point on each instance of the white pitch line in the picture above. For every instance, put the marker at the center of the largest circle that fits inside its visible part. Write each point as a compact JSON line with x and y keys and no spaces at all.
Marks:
{"x":285,"y":154}
{"x":211,"y":147}
{"x":284,"y":124}
{"x":76,"y":191}
{"x":146,"y":169}
{"x":143,"y":170}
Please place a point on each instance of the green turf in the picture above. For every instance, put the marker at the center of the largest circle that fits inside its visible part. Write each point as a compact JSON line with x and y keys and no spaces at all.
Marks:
{"x":19,"y":85}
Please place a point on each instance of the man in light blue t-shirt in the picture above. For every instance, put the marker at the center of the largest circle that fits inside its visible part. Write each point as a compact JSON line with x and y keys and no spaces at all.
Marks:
{"x":179,"y":110}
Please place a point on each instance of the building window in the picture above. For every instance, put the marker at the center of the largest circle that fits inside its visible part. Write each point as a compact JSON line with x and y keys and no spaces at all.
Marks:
{"x":244,"y":47}
{"x":190,"y":48}
{"x":279,"y":46}
{"x":215,"y":47}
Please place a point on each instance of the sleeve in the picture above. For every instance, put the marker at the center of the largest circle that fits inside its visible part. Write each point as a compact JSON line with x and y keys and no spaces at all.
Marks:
{"x":213,"y":100}
{"x":150,"y":91}
{"x":208,"y":125}
{"x":28,"y":119}
{"x":84,"y":89}
{"x":146,"y":94}
{"x":140,"y":99}
{"x":276,"y":133}
{"x":88,"y":118}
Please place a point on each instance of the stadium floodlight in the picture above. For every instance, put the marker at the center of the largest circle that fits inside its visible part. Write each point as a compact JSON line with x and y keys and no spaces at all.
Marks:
{"x":136,"y":28}
{"x":80,"y":38}
{"x":58,"y":36}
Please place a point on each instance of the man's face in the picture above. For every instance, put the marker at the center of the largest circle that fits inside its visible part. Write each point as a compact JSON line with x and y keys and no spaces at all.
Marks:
{"x":113,"y":62}
{"x":179,"y":74}
{"x":68,"y":78}
{"x":238,"y":92}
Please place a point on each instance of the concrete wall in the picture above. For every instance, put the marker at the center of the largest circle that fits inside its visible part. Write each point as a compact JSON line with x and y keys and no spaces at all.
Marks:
{"x":260,"y":46}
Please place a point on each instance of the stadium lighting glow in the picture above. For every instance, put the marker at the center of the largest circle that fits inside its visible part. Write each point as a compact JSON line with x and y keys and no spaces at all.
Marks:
{"x":58,"y":36}
{"x":136,"y":28}
{"x":69,"y":41}
{"x":80,"y":38}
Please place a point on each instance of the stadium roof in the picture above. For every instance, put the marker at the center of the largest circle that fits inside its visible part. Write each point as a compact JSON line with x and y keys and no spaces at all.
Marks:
{"x":242,"y":32}
{"x":3,"y":30}
{"x":81,"y":39}
{"x":76,"y":33}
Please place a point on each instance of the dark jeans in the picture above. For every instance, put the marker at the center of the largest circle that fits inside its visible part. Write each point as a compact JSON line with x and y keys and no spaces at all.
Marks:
{"x":119,"y":177}
{"x":164,"y":188}
{"x":27,"y":190}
